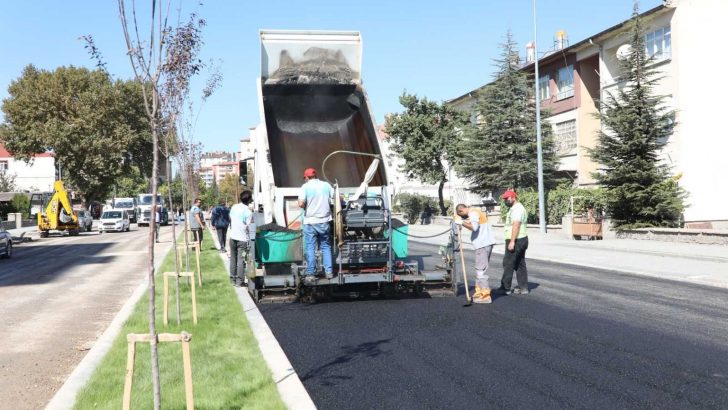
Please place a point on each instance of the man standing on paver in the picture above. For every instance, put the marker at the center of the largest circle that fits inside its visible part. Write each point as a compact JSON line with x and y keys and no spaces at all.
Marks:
{"x":315,"y":198}
{"x":197,"y":222}
{"x":516,"y":237}
{"x":240,"y":219}
{"x":482,"y":239}
{"x":220,"y":219}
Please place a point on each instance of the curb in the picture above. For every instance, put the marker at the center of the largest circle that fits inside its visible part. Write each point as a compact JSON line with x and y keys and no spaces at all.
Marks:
{"x":289,"y":385}
{"x":602,"y":268}
{"x":65,"y":397}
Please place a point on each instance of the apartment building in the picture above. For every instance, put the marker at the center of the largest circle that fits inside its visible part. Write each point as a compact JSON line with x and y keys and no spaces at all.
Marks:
{"x":682,"y":36}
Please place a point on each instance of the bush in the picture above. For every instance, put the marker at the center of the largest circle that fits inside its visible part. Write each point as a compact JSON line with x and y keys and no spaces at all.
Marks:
{"x":558,"y":203}
{"x":412,"y":205}
{"x":21,"y":203}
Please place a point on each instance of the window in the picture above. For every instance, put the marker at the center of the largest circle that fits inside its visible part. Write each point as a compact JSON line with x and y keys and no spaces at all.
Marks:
{"x":565,"y":82}
{"x":565,"y":137}
{"x":543,"y":87}
{"x":3,"y":166}
{"x":658,"y":44}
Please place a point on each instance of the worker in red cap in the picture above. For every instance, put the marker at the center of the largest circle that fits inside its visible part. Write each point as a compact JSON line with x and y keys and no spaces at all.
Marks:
{"x":516,"y":238}
{"x":315,"y":198}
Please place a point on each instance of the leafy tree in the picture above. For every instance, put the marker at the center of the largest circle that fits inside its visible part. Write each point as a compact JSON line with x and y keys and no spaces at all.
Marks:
{"x":426,"y":136}
{"x":230,"y":188}
{"x":131,"y":184}
{"x":640,"y":191}
{"x":95,"y":126}
{"x":21,"y":203}
{"x":173,"y":191}
{"x":499,"y":151}
{"x":7,"y":181}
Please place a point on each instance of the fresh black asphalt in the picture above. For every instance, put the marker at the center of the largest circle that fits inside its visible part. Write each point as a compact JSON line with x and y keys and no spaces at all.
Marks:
{"x":582,"y":338}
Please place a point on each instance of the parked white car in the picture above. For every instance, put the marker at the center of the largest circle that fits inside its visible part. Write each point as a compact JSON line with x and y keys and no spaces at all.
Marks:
{"x":114,"y":220}
{"x":85,"y":221}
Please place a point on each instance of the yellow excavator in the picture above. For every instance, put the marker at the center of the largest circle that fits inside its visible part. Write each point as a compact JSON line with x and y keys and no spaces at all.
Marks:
{"x":58,"y":214}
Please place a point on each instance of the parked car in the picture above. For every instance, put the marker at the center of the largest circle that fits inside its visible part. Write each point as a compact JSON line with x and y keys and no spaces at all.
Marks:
{"x":114,"y":220}
{"x":6,"y":243}
{"x":85,"y":221}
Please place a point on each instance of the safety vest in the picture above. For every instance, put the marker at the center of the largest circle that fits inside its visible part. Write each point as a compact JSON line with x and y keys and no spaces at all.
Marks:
{"x":482,"y":216}
{"x":508,"y":225}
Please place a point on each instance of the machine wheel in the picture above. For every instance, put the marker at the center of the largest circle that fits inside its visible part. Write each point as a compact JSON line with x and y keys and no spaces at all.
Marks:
{"x":43,"y":234}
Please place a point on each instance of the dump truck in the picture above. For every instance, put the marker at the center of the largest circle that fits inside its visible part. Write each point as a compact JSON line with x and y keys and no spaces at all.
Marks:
{"x":315,"y":112}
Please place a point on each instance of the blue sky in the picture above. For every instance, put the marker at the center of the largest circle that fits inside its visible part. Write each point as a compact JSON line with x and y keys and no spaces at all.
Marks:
{"x":437,"y":49}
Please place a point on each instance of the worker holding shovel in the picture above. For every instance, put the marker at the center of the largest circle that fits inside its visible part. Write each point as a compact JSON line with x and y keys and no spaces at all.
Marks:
{"x":482,"y":239}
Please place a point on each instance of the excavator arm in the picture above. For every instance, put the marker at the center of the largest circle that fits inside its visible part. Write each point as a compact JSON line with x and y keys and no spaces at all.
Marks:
{"x":59,"y":213}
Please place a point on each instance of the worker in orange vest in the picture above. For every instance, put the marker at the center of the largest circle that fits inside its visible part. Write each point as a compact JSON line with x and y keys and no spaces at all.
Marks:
{"x":482,"y":239}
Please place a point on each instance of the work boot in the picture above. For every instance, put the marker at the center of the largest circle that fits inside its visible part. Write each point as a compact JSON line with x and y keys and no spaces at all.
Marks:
{"x":482,"y":295}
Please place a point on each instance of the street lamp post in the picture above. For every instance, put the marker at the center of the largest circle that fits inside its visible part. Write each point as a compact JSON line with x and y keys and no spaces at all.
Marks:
{"x":539,"y":151}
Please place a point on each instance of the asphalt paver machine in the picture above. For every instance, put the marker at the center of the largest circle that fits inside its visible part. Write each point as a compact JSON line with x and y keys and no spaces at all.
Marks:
{"x":316,"y":113}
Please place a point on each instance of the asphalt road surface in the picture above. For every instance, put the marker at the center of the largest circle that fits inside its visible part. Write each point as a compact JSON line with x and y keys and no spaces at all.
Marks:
{"x":582,"y":338}
{"x":57,"y":295}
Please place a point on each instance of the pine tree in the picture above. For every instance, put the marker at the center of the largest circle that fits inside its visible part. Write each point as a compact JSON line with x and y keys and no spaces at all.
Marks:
{"x":499,"y":151}
{"x":635,"y":127}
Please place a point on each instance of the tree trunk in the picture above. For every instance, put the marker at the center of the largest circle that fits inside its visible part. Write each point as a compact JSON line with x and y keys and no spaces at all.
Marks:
{"x":151,"y":270}
{"x":443,"y":208}
{"x":174,"y":236}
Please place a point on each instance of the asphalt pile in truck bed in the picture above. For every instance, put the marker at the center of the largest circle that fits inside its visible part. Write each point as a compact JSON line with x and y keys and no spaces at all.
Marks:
{"x":319,"y":66}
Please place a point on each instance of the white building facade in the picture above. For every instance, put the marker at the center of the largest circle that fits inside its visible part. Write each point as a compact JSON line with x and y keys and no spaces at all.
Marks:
{"x":38,"y":175}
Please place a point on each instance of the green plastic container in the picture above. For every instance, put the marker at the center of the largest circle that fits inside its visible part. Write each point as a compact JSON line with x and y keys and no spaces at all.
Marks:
{"x":278,"y":247}
{"x":399,"y":241}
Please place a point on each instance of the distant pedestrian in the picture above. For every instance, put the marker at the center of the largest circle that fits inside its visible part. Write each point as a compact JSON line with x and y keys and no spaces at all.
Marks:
{"x":221,"y":220}
{"x":157,"y":222}
{"x":240,"y":219}
{"x":516,"y":239}
{"x":481,"y":237}
{"x":197,"y":221}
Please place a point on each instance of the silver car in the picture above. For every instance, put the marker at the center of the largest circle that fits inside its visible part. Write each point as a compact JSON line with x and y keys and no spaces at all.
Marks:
{"x":85,"y":221}
{"x":6,"y":243}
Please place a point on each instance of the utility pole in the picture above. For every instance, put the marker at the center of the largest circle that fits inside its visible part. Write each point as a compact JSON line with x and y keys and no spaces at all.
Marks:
{"x":539,"y":151}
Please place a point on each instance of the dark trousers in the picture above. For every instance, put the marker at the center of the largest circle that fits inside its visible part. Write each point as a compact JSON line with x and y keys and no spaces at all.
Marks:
{"x":238,"y":255}
{"x":515,"y":260}
{"x":197,"y":236}
{"x":221,"y":234}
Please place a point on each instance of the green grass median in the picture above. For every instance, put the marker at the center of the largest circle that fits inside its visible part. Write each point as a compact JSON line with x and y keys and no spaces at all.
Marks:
{"x":228,"y":370}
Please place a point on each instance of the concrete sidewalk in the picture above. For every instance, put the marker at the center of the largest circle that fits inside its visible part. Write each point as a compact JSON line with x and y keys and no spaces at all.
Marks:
{"x":27,"y":233}
{"x":693,"y":263}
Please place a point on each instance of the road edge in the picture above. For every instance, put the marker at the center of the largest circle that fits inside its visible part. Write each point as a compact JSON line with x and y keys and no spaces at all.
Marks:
{"x":289,"y":385}
{"x":65,"y":397}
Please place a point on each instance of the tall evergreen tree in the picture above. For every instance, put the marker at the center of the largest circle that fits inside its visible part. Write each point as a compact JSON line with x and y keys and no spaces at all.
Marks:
{"x":635,"y":127}
{"x":499,"y":151}
{"x":426,"y":135}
